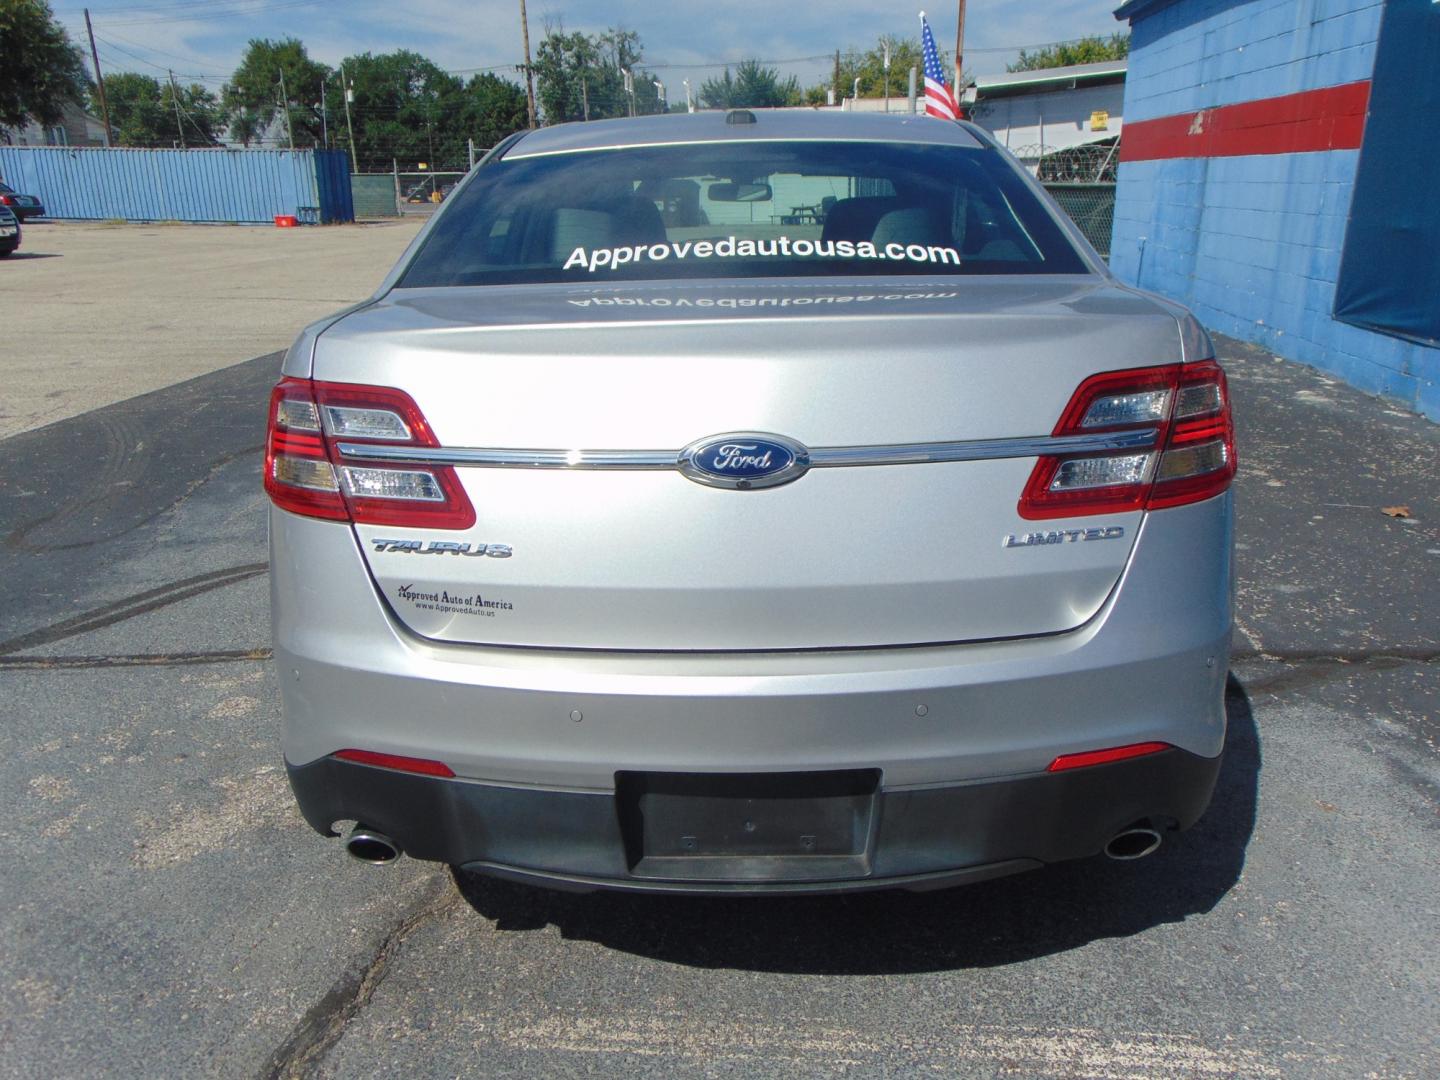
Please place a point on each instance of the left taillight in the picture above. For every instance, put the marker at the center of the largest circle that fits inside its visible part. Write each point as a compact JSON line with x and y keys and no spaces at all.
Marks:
{"x":306,"y":472}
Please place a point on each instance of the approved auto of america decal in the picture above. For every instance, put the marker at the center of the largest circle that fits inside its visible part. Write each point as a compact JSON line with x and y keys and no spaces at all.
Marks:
{"x":449,"y":603}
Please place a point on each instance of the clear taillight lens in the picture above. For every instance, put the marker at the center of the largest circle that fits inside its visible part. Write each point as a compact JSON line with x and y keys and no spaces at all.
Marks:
{"x":1193,"y":458}
{"x":306,"y":474}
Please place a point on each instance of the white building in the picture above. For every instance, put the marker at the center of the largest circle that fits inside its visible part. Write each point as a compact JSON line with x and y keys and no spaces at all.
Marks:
{"x":1033,"y":112}
{"x":77,"y":128}
{"x":1038,"y":112}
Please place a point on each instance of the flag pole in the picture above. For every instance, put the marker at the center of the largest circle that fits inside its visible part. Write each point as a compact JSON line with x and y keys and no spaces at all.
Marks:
{"x":959,"y":52}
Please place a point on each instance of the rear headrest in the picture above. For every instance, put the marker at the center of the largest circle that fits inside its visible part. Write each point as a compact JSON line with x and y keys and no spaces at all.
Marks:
{"x":913,"y":225}
{"x":855,"y":219}
{"x":637,"y":221}
{"x":574,"y":228}
{"x":626,"y":221}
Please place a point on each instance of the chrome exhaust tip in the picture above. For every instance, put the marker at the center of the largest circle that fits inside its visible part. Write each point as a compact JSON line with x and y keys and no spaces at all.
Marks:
{"x":369,"y":846}
{"x":1133,"y":843}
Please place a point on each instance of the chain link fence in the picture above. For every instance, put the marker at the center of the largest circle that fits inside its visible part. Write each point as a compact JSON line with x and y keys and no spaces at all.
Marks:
{"x":1091,"y":207}
{"x":1082,"y":179}
{"x":422,"y":192}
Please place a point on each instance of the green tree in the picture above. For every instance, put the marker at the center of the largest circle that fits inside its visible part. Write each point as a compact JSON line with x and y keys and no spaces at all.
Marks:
{"x":869,"y":67}
{"x":493,"y":109}
{"x":253,"y":96}
{"x":582,"y":76}
{"x":40,"y":69}
{"x":406,"y":108}
{"x":142,"y":112}
{"x":1088,"y":50}
{"x":753,"y":86}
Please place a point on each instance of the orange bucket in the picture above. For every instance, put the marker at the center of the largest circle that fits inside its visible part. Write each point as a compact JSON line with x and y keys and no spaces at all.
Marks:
{"x":286,"y":221}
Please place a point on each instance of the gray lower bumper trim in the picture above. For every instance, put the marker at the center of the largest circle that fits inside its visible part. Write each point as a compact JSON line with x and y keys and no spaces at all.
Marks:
{"x":579,"y":839}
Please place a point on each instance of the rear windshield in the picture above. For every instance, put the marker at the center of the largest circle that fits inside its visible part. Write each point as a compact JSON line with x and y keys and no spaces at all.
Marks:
{"x":743,"y":210}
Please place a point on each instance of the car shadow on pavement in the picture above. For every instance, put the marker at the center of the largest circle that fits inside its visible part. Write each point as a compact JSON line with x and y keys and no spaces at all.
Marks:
{"x":992,"y":923}
{"x":27,"y":256}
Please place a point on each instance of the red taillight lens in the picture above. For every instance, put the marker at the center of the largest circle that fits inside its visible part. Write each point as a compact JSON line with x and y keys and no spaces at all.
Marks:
{"x":1193,"y":457}
{"x":305,"y":472}
{"x":1104,"y":757}
{"x":298,"y":474}
{"x":8,"y":200}
{"x":422,"y":766}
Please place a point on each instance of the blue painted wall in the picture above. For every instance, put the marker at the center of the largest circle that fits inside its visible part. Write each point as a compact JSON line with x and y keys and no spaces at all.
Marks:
{"x":1253,"y":244}
{"x":180,"y":185}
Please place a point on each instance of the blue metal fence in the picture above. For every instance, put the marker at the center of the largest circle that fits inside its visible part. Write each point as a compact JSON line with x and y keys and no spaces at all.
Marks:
{"x":182,"y":185}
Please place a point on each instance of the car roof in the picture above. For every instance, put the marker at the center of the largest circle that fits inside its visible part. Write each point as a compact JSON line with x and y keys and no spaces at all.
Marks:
{"x":768,"y":125}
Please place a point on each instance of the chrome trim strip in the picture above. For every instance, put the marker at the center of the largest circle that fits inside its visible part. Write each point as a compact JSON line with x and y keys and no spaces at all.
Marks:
{"x":486,"y":457}
{"x":981,"y":449}
{"x":824,"y":457}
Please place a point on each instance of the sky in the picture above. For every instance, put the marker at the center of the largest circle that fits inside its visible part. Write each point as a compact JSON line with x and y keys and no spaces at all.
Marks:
{"x":203,"y":40}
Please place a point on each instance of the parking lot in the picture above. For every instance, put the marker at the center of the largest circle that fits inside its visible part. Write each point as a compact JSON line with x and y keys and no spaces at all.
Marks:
{"x":96,"y":312}
{"x":165,"y":912}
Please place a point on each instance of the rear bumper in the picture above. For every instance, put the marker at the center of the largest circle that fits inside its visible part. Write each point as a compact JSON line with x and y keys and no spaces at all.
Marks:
{"x":918,"y":838}
{"x":1150,"y":667}
{"x":961,"y":735}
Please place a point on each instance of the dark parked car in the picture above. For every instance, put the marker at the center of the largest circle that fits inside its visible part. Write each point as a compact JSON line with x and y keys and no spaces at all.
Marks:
{"x":9,"y":231}
{"x":22,"y":206}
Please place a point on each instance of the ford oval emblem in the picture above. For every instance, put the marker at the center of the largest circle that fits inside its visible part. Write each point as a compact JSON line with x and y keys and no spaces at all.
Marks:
{"x":744,"y":460}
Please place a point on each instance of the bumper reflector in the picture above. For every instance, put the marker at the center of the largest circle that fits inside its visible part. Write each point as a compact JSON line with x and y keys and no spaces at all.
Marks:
{"x":423,"y":766}
{"x":1104,"y":757}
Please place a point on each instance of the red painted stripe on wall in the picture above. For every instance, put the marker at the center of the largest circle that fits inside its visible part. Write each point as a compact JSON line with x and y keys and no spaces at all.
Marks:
{"x":1328,"y":119}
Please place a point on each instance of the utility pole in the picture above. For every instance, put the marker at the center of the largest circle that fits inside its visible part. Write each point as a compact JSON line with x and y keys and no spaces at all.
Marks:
{"x":959,"y":52}
{"x":529,"y":74}
{"x":99,"y":79}
{"x":835,"y":92}
{"x":885,"y":47}
{"x":285,"y":101}
{"x":349,"y":96}
{"x":324,"y":117}
{"x":629,"y":87}
{"x":584,"y":98}
{"x":689,"y":97}
{"x":175,"y":100}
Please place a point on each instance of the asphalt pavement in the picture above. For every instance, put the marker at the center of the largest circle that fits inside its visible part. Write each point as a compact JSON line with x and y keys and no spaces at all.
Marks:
{"x":165,"y":912}
{"x":96,"y":312}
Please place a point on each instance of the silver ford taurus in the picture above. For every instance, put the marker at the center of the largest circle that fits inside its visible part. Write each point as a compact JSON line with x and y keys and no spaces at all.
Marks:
{"x":751,"y":502}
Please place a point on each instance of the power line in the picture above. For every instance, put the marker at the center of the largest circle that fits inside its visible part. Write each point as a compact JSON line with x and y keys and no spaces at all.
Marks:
{"x":150,"y":63}
{"x":153,"y":49}
{"x":209,"y":16}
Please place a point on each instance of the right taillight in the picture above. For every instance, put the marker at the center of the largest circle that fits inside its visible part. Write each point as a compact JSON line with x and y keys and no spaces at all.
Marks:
{"x":1192,"y":457}
{"x":306,"y":473}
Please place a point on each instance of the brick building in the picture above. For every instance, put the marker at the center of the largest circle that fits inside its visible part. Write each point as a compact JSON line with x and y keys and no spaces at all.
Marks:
{"x":1278,"y":174}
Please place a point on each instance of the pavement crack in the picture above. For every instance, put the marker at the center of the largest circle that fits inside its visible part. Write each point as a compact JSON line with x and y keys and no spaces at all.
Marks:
{"x":175,"y":659}
{"x":1307,"y":667}
{"x":19,"y":539}
{"x":324,"y":1023}
{"x":129,"y":607}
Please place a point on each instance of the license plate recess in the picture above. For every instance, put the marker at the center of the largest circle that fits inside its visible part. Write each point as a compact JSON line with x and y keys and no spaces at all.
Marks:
{"x":793,"y":826}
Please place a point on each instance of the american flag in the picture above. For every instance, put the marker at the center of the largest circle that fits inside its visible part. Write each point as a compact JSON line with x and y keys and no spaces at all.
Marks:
{"x":938,"y":99}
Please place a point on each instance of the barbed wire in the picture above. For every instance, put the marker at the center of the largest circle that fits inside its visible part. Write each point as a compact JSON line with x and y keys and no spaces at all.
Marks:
{"x":1088,"y":163}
